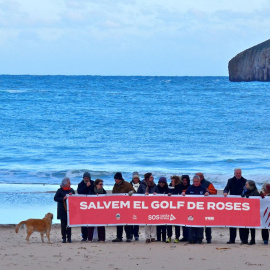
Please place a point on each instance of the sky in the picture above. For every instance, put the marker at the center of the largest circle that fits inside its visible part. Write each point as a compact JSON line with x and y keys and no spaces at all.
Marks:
{"x":128,"y":37}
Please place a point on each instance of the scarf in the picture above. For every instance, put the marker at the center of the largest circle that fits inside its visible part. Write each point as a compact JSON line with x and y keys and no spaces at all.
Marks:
{"x":149,"y":184}
{"x":66,"y":188}
{"x":98,"y":191}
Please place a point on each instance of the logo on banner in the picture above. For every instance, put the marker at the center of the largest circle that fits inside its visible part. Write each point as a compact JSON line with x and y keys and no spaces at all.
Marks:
{"x":266,"y":215}
{"x":134,"y":217}
{"x":117,"y":216}
{"x":172,"y":217}
{"x":190,"y":218}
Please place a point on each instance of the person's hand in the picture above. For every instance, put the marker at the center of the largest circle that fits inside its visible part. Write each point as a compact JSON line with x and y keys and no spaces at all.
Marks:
{"x":146,"y":193}
{"x":130,"y":193}
{"x":70,"y":194}
{"x":154,"y":193}
{"x":206,"y":193}
{"x":88,"y":184}
{"x":225,"y":194}
{"x":169,"y":194}
{"x":183,"y":193}
{"x":65,"y":198}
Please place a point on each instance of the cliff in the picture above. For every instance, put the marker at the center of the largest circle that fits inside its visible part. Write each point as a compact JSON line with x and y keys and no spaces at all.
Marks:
{"x":252,"y":64}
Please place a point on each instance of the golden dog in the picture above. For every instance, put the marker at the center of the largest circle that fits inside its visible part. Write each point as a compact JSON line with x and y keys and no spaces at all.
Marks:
{"x":37,"y":225}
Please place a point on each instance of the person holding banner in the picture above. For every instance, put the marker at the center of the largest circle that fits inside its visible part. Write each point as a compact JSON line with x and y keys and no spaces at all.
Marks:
{"x":85,"y":187}
{"x":135,"y":182}
{"x":98,"y":189}
{"x":175,"y":188}
{"x":185,"y":183}
{"x":212,"y":191}
{"x":121,"y":186}
{"x":162,"y":189}
{"x":60,"y":197}
{"x":196,"y":233}
{"x":147,"y":187}
{"x":235,"y":186}
{"x":250,"y":189}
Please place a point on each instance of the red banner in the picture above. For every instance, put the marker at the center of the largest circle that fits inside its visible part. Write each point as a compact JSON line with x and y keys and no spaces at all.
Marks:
{"x":159,"y":209}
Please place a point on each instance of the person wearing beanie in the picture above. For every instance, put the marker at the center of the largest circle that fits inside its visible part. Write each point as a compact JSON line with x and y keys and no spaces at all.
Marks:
{"x":135,"y":182}
{"x":86,"y":186}
{"x":162,"y":189}
{"x":250,"y":189}
{"x":122,"y":186}
{"x":147,"y":187}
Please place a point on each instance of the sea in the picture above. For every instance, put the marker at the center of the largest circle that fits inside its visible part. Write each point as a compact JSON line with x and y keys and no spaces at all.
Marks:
{"x":53,"y":127}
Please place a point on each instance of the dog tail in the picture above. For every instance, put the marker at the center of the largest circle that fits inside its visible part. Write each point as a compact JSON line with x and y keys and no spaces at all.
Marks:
{"x":19,"y":225}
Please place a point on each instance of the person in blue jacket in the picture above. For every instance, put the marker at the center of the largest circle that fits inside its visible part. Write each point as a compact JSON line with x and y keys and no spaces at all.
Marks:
{"x":196,"y":233}
{"x":86,"y":186}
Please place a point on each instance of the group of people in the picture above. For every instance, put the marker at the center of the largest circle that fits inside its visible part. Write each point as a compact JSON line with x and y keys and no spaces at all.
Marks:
{"x":236,"y":185}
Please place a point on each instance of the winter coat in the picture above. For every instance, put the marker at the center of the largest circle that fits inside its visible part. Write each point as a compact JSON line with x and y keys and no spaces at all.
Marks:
{"x":124,"y":187}
{"x":192,"y":190}
{"x":59,"y":198}
{"x":176,"y":190}
{"x":209,"y":186}
{"x":83,"y":189}
{"x":163,"y":190}
{"x":143,"y":186}
{"x":248,"y":192}
{"x":235,"y":186}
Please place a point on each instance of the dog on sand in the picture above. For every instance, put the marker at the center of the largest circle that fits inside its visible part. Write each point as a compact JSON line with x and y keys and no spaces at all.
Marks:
{"x":37,"y":225}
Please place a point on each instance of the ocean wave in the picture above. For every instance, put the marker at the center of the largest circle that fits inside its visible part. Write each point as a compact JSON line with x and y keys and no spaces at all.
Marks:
{"x":55,"y":177}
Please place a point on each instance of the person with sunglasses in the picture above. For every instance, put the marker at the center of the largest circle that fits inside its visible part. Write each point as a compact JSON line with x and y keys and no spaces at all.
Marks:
{"x":97,"y":189}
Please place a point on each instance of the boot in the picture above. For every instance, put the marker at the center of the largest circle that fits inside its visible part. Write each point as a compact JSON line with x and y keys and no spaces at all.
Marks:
{"x":64,"y":240}
{"x":69,"y":239}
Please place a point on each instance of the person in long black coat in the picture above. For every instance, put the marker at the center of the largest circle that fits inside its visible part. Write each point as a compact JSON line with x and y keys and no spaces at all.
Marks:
{"x":60,"y":197}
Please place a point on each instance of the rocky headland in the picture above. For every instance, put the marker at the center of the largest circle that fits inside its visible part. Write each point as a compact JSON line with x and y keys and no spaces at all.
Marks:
{"x":252,"y":64}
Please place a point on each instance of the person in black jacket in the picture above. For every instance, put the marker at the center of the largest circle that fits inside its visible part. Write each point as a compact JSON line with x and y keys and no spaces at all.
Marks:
{"x":250,"y":189}
{"x":162,"y":189}
{"x":235,"y":186}
{"x":175,"y":188}
{"x":60,"y":197}
{"x":86,"y":186}
{"x":98,"y":189}
{"x":185,"y":183}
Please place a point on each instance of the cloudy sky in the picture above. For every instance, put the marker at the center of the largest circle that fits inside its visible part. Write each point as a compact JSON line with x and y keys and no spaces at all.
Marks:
{"x":128,"y":37}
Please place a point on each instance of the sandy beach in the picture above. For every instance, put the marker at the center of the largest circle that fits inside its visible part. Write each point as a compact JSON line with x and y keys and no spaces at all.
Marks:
{"x":15,"y":253}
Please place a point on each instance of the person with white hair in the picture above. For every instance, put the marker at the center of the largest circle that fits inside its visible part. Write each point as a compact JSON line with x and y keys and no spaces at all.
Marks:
{"x":235,"y":186}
